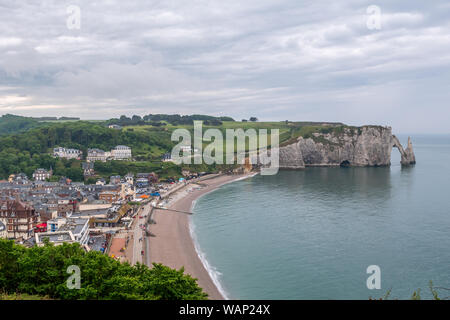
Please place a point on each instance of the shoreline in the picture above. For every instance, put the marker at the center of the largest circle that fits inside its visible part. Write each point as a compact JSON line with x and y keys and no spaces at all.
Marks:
{"x":175,"y":244}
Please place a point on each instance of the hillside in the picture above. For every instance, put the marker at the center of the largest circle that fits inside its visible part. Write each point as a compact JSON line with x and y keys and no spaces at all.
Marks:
{"x":27,"y":151}
{"x":10,"y":124}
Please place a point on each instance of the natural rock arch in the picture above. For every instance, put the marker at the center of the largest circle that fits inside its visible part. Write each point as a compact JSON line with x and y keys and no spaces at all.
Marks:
{"x":408,"y":156}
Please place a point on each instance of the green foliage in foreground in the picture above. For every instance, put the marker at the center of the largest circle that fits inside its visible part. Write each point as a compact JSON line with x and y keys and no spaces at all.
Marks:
{"x":19,"y":296}
{"x":42,"y":271}
{"x":417,"y":294}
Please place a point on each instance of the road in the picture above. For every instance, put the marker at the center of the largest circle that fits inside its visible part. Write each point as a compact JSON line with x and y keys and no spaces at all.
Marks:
{"x":139,"y":235}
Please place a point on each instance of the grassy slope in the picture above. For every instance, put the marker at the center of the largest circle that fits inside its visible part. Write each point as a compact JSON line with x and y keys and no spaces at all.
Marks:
{"x":289,"y":132}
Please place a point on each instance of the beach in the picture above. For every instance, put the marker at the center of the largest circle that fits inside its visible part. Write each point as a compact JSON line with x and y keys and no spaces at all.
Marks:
{"x":172,"y":244}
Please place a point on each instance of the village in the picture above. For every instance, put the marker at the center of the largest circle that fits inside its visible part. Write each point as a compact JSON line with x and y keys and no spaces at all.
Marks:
{"x":102,"y":217}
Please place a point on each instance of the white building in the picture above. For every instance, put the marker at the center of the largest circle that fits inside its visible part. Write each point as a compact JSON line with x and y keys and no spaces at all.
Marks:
{"x":57,"y":238}
{"x":66,"y":230}
{"x":188,"y":149}
{"x":121,"y":153}
{"x":67,"y":153}
{"x":42,"y":174}
{"x":97,"y":155}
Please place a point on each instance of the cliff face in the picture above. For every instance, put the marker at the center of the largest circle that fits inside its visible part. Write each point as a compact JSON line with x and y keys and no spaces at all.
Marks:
{"x":364,"y":146}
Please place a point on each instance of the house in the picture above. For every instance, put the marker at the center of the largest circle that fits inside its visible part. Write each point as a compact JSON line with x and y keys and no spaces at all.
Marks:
{"x":20,"y":178}
{"x":167,"y":157}
{"x":88,"y":168}
{"x":115,"y":126}
{"x":114,"y":180}
{"x":46,"y":211}
{"x":42,"y":174}
{"x":97,"y":155}
{"x":60,"y":152}
{"x":121,"y":153}
{"x":142,"y":180}
{"x":18,"y":217}
{"x":65,"y":181}
{"x":66,"y":207}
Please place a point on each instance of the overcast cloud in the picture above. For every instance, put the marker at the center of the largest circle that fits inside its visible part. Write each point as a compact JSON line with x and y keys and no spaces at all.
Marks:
{"x":274,"y":59}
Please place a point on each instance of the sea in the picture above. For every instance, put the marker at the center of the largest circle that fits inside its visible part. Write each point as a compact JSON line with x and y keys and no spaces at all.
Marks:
{"x":313,"y":234}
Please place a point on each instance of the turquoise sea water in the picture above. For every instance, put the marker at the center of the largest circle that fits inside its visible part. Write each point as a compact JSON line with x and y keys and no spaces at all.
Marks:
{"x":312,"y":234}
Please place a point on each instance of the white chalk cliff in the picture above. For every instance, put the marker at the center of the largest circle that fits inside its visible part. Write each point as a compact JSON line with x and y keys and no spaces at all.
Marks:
{"x":348,"y":146}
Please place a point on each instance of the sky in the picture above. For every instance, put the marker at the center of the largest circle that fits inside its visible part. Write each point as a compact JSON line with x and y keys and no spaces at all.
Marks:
{"x":344,"y":61}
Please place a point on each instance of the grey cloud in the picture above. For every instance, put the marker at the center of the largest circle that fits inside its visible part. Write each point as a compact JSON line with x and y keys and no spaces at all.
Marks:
{"x":298,"y":60}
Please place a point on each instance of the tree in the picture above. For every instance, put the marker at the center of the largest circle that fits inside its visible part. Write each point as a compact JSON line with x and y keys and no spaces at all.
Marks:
{"x":43,"y":271}
{"x":136,"y":119}
{"x":253,"y":119}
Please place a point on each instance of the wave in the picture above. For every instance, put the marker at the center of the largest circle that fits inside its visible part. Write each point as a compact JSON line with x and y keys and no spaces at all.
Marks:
{"x":212,"y":271}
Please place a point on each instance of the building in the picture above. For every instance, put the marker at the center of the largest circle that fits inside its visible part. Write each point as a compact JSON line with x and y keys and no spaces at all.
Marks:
{"x":147,"y":178}
{"x":18,"y":218}
{"x":66,"y":207}
{"x":129,"y":178}
{"x":97,"y":155}
{"x":115,"y":126}
{"x":127,"y":192}
{"x":100,"y":182}
{"x":42,"y":174}
{"x":67,"y":153}
{"x":188,"y":149}
{"x":121,"y":153}
{"x":77,"y":228}
{"x":20,"y":178}
{"x":114,"y":180}
{"x":64,"y":181}
{"x":167,"y":157}
{"x":88,"y":168}
{"x":109,"y":196}
{"x":113,"y":219}
{"x":142,"y":180}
